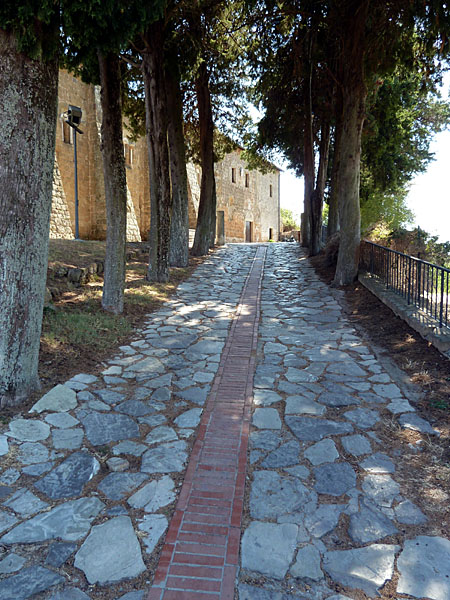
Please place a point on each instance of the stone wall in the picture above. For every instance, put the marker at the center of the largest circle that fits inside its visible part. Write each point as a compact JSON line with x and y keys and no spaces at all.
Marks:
{"x":60,"y":225}
{"x":245,"y":196}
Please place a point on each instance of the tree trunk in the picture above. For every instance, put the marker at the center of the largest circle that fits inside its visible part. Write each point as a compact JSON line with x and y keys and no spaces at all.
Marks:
{"x":115,"y":183}
{"x":206,"y":219}
{"x":28,"y":89}
{"x":317,"y":196}
{"x":179,"y":229}
{"x":333,"y":211}
{"x":156,"y":125}
{"x":353,"y":90}
{"x":308,"y":141}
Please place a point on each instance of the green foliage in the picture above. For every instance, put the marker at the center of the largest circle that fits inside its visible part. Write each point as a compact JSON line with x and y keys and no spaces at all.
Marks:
{"x":35,"y":26}
{"x":403,"y":113}
{"x":288,"y":219}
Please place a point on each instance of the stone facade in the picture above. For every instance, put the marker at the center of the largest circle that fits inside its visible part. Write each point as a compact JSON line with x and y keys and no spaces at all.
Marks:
{"x":247,"y":201}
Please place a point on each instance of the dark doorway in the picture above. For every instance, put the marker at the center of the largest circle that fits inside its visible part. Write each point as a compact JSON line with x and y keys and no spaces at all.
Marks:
{"x":220,"y":233}
{"x":248,"y":231}
{"x":270,"y":233}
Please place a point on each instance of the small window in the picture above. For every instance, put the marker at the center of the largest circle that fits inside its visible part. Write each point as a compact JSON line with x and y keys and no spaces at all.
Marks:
{"x":270,"y":190}
{"x":128,"y":153}
{"x":233,"y":175}
{"x":247,"y":180}
{"x":66,"y":132}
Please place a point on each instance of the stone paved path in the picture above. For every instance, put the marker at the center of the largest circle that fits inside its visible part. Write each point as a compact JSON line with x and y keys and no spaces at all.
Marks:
{"x":88,"y":478}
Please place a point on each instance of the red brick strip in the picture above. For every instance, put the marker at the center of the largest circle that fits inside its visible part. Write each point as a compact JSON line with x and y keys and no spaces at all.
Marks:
{"x":200,"y":556}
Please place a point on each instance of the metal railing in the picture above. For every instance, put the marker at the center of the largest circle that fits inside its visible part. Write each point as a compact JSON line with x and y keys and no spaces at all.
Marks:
{"x":421,"y":283}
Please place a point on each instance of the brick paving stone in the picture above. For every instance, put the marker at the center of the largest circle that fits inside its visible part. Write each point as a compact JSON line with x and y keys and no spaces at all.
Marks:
{"x":201,"y":553}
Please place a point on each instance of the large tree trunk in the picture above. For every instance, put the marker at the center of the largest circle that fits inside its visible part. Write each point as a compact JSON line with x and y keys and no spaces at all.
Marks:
{"x":28,"y":89}
{"x":333,"y":205}
{"x":317,"y":195}
{"x":156,"y":124}
{"x":205,"y":230}
{"x":353,"y":90}
{"x":115,"y":183}
{"x":308,"y":147}
{"x":179,"y":228}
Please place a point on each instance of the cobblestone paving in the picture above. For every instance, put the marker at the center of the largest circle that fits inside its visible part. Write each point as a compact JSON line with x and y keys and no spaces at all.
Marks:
{"x":88,"y":477}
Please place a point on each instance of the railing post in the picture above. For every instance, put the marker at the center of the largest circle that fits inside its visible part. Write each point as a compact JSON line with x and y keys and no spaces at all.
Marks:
{"x":371,"y":258}
{"x":419,"y":273}
{"x":388,"y":266}
{"x":409,"y":279}
{"x":441,"y":312}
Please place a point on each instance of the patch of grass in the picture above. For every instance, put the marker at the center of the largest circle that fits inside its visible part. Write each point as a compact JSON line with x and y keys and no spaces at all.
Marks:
{"x":97,"y":330}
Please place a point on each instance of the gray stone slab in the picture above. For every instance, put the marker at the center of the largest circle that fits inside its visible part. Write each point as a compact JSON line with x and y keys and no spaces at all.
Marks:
{"x":153,"y":526}
{"x":416,"y":423}
{"x":110,"y":553}
{"x":298,"y":471}
{"x":363,"y":417}
{"x":284,"y":456}
{"x":307,"y":564}
{"x":338,"y":399}
{"x":369,"y":524}
{"x":381,"y":489}
{"x":11,"y":563}
{"x":367,"y":568}
{"x":348,"y":368}
{"x":154,"y":495}
{"x":70,"y":593}
{"x":6,"y":521}
{"x":28,"y":430}
{"x":378,"y":463}
{"x":25,"y":503}
{"x":137,"y":595}
{"x":424,"y":567}
{"x":356,"y":444}
{"x":272,"y":496}
{"x":399,"y":406}
{"x":311,"y":429}
{"x":4,"y":447}
{"x":197,"y":395}
{"x":38,"y":469}
{"x":62,"y":420}
{"x":165,"y":458}
{"x":128,"y":447}
{"x":59,"y":552}
{"x":9,"y":476}
{"x":110,"y":396}
{"x":262,"y":397}
{"x":266,"y":440}
{"x":387,"y":391}
{"x":250,"y":592}
{"x":408,"y":513}
{"x":334,"y":479}
{"x":32,"y":452}
{"x":104,"y":428}
{"x":324,"y":519}
{"x":135,"y":408}
{"x":147,"y":366}
{"x":190,"y":418}
{"x":266,"y":418}
{"x":322,"y":452}
{"x":300,"y":376}
{"x":268,"y":548}
{"x":161,"y":434}
{"x":207,"y":347}
{"x":297,"y":405}
{"x":69,"y":477}
{"x":69,"y":521}
{"x":61,"y":398}
{"x":325,"y":354}
{"x":153,"y":420}
{"x":28,"y":582}
{"x":116,"y":486}
{"x":68,"y":439}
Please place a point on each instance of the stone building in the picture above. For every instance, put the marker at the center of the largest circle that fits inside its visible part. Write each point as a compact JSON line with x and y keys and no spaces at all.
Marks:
{"x":247,"y":201}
